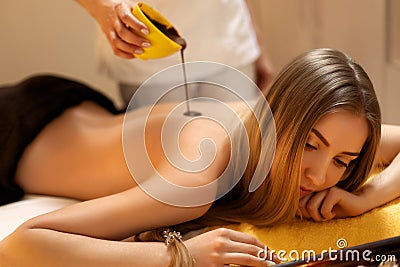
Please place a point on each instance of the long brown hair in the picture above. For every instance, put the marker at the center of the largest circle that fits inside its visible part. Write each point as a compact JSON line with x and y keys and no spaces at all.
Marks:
{"x":314,"y":84}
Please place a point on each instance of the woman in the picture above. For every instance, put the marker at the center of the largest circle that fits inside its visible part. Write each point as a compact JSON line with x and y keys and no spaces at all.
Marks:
{"x":328,"y":130}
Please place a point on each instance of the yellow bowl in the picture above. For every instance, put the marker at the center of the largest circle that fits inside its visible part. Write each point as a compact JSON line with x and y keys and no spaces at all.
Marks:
{"x":161,"y":44}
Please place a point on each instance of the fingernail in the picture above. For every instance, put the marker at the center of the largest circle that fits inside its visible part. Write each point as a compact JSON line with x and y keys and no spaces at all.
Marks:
{"x":146,"y":44}
{"x":138,"y":51}
{"x":144,"y":31}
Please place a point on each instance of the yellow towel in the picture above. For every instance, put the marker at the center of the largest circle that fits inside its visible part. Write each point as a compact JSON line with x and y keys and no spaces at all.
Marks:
{"x":302,"y":235}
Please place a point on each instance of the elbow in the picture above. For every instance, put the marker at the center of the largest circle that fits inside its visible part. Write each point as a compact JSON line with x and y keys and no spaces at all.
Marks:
{"x":3,"y":254}
{"x":15,"y":245}
{"x":7,"y":255}
{"x":10,"y":248}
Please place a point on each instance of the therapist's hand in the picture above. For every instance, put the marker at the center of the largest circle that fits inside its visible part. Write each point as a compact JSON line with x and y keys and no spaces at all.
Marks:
{"x":264,"y":72}
{"x":119,"y":26}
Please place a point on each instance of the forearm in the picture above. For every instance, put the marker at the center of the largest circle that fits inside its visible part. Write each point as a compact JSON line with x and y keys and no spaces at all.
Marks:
{"x":96,"y":7}
{"x":91,"y":6}
{"x":390,"y":144}
{"x":43,"y":247}
{"x":385,"y":186}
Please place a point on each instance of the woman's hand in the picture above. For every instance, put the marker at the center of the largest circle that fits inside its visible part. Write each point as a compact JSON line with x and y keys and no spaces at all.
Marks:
{"x":119,"y":26}
{"x":336,"y":202}
{"x":333,"y":202}
{"x":222,"y":247}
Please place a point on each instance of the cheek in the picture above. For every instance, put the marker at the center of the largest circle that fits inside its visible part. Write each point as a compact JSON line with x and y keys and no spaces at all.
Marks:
{"x":332,"y":179}
{"x":334,"y":175}
{"x":319,"y":162}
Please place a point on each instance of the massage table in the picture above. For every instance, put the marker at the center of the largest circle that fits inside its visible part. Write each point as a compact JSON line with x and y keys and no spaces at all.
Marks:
{"x":377,"y":230}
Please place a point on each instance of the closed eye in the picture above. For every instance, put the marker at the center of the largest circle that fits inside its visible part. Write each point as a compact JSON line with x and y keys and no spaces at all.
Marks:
{"x":340,"y":163}
{"x":310,"y":147}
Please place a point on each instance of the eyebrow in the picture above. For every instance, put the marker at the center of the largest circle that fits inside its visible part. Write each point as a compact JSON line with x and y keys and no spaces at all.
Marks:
{"x":323,"y":140}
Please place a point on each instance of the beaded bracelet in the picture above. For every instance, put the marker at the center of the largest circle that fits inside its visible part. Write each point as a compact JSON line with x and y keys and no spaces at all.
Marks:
{"x":170,"y":236}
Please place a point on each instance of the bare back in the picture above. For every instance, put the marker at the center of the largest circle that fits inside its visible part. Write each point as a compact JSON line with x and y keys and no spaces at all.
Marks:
{"x":80,"y":154}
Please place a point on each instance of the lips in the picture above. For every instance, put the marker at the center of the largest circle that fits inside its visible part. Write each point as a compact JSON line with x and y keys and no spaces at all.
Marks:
{"x":304,"y":191}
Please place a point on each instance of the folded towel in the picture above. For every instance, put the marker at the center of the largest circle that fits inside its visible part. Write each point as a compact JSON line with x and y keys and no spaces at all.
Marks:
{"x":304,"y":235}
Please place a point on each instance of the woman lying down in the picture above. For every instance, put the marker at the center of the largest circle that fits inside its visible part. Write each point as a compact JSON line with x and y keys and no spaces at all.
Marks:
{"x":64,"y":139}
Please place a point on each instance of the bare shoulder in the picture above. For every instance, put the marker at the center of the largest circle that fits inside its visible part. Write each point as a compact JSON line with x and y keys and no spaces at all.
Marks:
{"x":198,"y":153}
{"x":188,"y":151}
{"x":390,"y":144}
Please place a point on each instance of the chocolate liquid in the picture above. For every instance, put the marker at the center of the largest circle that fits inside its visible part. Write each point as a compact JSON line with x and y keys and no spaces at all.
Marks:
{"x":172,"y":34}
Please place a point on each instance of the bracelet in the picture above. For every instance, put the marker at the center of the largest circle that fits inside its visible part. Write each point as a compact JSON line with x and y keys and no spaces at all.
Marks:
{"x":170,"y":236}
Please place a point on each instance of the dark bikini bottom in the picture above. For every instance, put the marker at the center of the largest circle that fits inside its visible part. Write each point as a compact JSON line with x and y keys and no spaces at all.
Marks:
{"x":25,"y":109}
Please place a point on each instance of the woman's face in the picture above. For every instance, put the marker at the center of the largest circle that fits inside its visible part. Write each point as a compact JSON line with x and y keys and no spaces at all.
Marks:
{"x":334,"y":141}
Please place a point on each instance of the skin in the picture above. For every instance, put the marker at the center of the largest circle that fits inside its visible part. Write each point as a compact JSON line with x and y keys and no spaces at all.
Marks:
{"x":82,"y":134}
{"x":333,"y":143}
{"x":48,"y":237}
{"x":120,"y":28}
{"x":335,"y":140}
{"x":321,"y":200}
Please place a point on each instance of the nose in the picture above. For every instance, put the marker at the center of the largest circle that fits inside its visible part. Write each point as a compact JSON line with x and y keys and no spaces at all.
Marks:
{"x":317,"y":173}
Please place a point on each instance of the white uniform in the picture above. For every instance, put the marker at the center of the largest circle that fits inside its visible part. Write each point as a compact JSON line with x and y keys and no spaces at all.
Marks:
{"x":215,"y":30}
